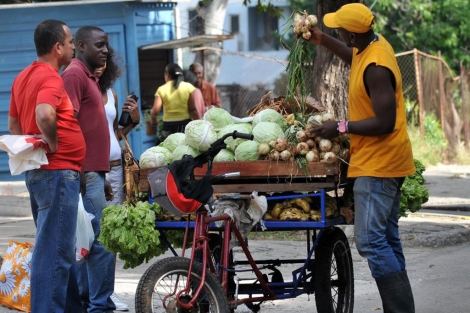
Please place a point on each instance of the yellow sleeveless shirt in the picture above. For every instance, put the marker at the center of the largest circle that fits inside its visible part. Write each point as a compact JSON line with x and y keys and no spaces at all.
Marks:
{"x":378,"y":156}
{"x":175,"y":101}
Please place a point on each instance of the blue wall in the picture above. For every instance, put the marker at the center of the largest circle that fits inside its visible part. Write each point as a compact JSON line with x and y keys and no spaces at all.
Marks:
{"x":128,"y":24}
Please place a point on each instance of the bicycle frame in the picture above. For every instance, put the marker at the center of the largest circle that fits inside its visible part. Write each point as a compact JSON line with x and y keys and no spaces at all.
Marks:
{"x":200,"y":243}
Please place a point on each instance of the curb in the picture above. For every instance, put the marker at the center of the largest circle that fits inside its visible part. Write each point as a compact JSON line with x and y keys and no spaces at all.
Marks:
{"x":15,"y":206}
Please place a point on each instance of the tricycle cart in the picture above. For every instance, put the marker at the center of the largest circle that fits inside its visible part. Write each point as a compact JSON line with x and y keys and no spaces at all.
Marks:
{"x":210,"y":280}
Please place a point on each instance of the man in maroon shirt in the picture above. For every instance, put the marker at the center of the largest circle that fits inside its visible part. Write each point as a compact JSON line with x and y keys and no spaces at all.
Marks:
{"x":96,"y":275}
{"x":209,"y":92}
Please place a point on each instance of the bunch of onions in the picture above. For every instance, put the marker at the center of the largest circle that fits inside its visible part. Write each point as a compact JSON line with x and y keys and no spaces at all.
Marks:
{"x":303,"y":23}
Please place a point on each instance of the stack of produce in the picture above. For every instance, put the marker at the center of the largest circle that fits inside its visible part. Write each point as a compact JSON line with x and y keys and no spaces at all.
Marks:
{"x":301,"y":208}
{"x":276,"y":137}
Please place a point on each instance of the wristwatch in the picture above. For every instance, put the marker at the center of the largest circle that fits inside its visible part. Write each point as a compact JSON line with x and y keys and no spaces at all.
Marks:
{"x":342,"y":127}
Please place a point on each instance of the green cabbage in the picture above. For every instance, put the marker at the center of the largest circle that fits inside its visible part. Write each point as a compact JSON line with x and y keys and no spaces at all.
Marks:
{"x":218,"y":118}
{"x":173,"y":141}
{"x":247,"y":151}
{"x":224,"y":155}
{"x":155,"y":157}
{"x":180,"y":151}
{"x":267,"y":131}
{"x":269,"y":115}
{"x":230,"y":142}
{"x":200,"y":134}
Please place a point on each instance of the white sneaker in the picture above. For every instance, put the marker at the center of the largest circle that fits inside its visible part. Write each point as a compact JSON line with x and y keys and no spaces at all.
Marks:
{"x":120,"y":306}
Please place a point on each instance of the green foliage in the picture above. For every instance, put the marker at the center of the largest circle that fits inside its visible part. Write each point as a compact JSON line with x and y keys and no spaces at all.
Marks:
{"x":413,"y":193}
{"x":428,"y":25}
{"x":433,"y":132}
{"x":130,"y":231}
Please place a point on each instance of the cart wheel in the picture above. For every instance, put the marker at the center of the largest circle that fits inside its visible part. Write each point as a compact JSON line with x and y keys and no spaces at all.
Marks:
{"x":333,"y":274}
{"x":165,"y":278}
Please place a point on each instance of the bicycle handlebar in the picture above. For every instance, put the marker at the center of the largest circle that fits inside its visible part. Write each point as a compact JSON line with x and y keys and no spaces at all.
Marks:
{"x":219,"y":144}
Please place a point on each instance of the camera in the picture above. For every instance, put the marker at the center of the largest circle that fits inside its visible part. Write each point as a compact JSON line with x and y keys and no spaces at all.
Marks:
{"x":126,"y":119}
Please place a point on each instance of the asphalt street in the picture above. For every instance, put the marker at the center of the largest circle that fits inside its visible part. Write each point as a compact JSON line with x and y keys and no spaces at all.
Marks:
{"x":436,"y":241}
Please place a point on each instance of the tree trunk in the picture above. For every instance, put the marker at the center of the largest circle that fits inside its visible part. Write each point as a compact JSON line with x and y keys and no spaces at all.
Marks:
{"x":331,"y":74}
{"x":213,"y":15}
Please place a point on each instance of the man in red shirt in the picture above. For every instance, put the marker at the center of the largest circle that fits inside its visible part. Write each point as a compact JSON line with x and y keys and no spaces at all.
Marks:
{"x":40,"y":106}
{"x":209,"y":92}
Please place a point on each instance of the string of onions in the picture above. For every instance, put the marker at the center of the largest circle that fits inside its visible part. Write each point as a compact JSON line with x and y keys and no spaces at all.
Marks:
{"x":300,"y":56}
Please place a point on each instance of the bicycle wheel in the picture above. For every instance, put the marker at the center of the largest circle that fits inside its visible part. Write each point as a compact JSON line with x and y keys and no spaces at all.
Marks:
{"x":333,"y":274}
{"x":161,"y":282}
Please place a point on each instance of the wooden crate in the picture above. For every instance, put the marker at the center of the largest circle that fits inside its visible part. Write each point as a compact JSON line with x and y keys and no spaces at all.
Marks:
{"x":263,"y":176}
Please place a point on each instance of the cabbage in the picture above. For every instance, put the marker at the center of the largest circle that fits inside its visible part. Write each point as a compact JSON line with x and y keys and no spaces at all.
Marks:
{"x":180,"y":151}
{"x":173,"y":141}
{"x":155,"y":157}
{"x":200,"y":134}
{"x":269,"y":115}
{"x":218,"y":118}
{"x":224,"y":156}
{"x":267,"y":131}
{"x":230,"y":141}
{"x":247,"y":151}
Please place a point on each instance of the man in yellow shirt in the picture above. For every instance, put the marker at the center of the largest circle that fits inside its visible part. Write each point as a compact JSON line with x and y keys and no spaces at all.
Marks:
{"x":381,"y":155}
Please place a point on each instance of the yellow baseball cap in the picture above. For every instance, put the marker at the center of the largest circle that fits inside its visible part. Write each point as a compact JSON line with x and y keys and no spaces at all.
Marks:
{"x":354,"y":17}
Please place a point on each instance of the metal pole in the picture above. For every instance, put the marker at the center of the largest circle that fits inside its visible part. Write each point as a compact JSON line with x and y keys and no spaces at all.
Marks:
{"x":419,"y":91}
{"x":442,"y":98}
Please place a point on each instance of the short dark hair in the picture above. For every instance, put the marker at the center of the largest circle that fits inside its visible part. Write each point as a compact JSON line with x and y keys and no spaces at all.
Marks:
{"x":47,"y":34}
{"x":194,"y":65}
{"x":175,"y":73}
{"x":84,"y":33}
{"x":112,"y":71}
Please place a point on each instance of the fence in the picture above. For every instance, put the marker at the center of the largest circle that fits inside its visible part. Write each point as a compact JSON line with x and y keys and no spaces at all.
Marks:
{"x":429,"y":87}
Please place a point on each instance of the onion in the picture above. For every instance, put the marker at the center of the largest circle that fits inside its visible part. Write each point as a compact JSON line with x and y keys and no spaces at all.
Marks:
{"x":316,"y":120}
{"x":285,"y":155}
{"x":307,"y":34}
{"x":313,"y":20}
{"x":344,"y":154}
{"x":311,"y":156}
{"x":302,"y":148}
{"x":329,"y":158}
{"x":328,"y":117}
{"x":298,"y":17}
{"x":325,"y":145}
{"x":280,"y":144}
{"x":318,"y":139}
{"x":311,"y":143}
{"x":274,"y":155}
{"x":272,"y":144}
{"x":263,"y":149}
{"x":301,"y":136}
{"x":335,"y":148}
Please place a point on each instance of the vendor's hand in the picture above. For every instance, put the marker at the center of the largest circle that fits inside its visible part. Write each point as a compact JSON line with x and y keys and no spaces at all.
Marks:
{"x":328,"y":130}
{"x":108,"y":191}
{"x":131,"y":106}
{"x":316,"y":37}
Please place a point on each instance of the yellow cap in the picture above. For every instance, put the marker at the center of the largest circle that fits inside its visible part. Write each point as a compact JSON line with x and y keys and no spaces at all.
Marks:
{"x":353,"y":17}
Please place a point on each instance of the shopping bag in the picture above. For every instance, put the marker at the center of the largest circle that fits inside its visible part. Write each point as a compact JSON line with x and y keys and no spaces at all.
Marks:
{"x":25,"y":152}
{"x":15,"y":276}
{"x":85,"y":234}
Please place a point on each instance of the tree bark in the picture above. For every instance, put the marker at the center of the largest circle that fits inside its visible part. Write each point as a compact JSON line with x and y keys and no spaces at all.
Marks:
{"x":213,"y":15}
{"x":330,"y":74}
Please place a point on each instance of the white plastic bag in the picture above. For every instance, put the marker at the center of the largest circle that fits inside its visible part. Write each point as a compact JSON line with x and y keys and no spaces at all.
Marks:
{"x":25,"y":152}
{"x":85,"y":234}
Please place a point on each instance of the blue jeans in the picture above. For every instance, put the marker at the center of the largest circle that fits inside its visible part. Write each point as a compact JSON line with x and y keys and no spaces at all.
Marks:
{"x":54,"y":204}
{"x":96,"y":274}
{"x":377,"y":204}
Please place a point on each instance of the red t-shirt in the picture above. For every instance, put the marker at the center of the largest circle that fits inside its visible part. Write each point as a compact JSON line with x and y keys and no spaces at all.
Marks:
{"x":41,"y":83}
{"x":85,"y":94}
